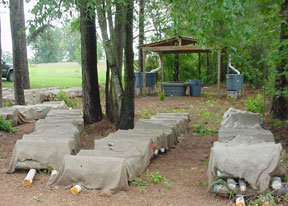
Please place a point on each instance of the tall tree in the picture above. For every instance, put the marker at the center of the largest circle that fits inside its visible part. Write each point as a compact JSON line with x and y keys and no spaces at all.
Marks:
{"x":114,"y":54}
{"x":114,"y":89}
{"x":19,"y":49}
{"x":25,"y":74}
{"x":280,"y":98}
{"x":45,"y":12}
{"x":90,"y":87}
{"x":17,"y":13}
{"x":105,"y":19}
{"x":126,"y":120}
{"x":141,"y":33}
{"x":1,"y":100}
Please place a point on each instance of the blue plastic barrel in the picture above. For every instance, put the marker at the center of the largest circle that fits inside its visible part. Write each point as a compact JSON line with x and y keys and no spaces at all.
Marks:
{"x":174,"y":88}
{"x":138,"y":79}
{"x":195,"y":88}
{"x":150,"y":79}
{"x":234,"y":82}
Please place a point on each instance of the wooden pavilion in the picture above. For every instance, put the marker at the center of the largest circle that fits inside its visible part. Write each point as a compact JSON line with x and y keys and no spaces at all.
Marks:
{"x":176,"y":45}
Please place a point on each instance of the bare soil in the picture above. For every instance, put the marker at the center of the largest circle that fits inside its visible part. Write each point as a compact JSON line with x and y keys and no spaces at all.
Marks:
{"x":185,"y":166}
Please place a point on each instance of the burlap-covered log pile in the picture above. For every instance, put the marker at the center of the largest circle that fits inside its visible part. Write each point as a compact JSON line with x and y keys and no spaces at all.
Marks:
{"x":121,"y":156}
{"x":245,"y":156}
{"x":54,"y":137}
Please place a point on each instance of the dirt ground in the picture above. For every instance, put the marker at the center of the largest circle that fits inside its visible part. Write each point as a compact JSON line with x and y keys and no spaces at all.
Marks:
{"x":185,"y":166}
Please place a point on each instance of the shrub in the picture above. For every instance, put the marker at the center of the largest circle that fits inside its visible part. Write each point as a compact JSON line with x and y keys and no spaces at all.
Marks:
{"x":198,"y":129}
{"x":6,"y":125}
{"x":151,"y":178}
{"x":161,"y":96}
{"x":63,"y":96}
{"x":255,"y":104}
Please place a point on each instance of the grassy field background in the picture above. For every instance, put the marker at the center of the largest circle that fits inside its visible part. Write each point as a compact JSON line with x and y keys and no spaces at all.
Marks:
{"x":66,"y":74}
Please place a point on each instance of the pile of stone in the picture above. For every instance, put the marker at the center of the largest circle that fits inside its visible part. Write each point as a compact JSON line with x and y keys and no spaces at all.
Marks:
{"x":39,"y":95}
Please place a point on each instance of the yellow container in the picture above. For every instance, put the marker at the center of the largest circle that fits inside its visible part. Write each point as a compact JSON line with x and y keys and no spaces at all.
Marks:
{"x":240,"y":200}
{"x":76,"y":189}
{"x":29,"y":178}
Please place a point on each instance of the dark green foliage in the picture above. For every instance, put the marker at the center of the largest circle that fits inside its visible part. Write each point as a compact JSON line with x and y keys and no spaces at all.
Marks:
{"x":198,"y":129}
{"x":138,"y":182}
{"x":246,"y":29}
{"x":63,"y":96}
{"x":187,"y":67}
{"x":152,"y":62}
{"x":280,"y":97}
{"x":161,"y":96}
{"x":255,"y":104}
{"x":151,"y":178}
{"x":6,"y":125}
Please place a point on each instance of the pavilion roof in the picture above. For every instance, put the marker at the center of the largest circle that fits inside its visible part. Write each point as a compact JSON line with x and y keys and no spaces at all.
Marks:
{"x":174,"y":41}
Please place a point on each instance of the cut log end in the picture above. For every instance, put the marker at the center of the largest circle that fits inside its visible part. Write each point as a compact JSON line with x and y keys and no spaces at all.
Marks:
{"x":27,"y":183}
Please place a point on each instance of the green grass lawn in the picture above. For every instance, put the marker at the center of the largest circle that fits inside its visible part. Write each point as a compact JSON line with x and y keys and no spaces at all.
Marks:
{"x":59,"y":75}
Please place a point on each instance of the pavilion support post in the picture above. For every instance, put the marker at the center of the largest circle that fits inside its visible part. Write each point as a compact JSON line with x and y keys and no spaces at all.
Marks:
{"x":140,"y":61}
{"x":199,"y":65}
{"x":219,"y":71}
{"x":227,"y":57}
{"x":144,"y":73}
{"x":208,"y":68}
{"x":162,"y":69}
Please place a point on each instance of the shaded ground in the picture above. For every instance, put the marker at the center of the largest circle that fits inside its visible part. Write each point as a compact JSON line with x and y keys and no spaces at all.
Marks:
{"x":185,"y":167}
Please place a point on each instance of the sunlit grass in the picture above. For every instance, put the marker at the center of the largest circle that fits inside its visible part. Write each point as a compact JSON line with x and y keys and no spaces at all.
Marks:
{"x":59,"y":75}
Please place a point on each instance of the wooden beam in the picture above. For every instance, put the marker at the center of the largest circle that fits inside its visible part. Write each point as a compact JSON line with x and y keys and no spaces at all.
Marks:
{"x":144,"y":73}
{"x":186,"y":52}
{"x":219,"y":71}
{"x":162,"y":69}
{"x":173,"y":49}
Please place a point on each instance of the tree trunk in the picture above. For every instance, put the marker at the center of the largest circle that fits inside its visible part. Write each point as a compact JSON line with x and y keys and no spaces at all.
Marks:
{"x":25,"y":74}
{"x":176,"y":69}
{"x":108,"y":95}
{"x":119,"y":38}
{"x":113,"y":50}
{"x":90,"y":88}
{"x":110,"y":50}
{"x":18,"y":44}
{"x":126,"y":120}
{"x":280,"y":98}
{"x":223,"y":66}
{"x":17,"y":9}
{"x":141,"y":34}
{"x":1,"y":100}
